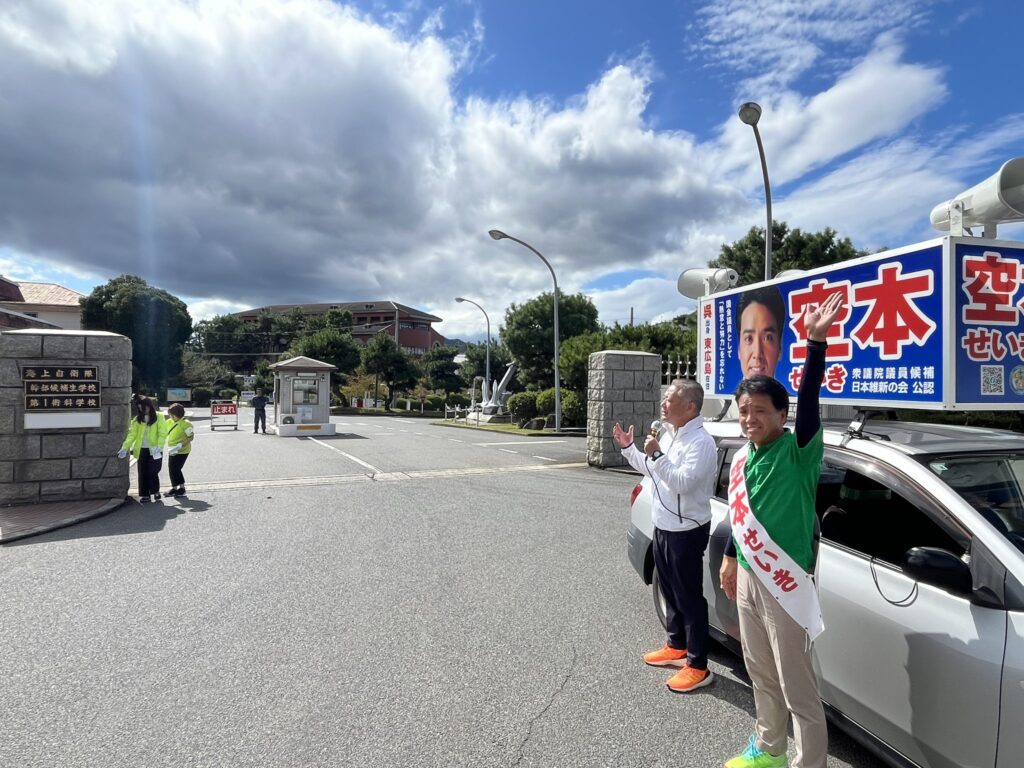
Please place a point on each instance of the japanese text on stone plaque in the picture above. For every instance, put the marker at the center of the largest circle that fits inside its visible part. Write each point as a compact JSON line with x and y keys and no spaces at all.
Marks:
{"x":61,"y":388}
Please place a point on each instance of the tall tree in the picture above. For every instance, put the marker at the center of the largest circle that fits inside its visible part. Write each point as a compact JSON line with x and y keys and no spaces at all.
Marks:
{"x":198,"y":370}
{"x":476,"y":362}
{"x":382,"y":356}
{"x":290,"y":325}
{"x":666,"y":339}
{"x":338,"y":319}
{"x":574,"y":358}
{"x":791,"y":249}
{"x":329,"y":346}
{"x":440,"y":370}
{"x":157,"y":323}
{"x":528,"y":333}
{"x":662,"y":338}
{"x":359,"y":384}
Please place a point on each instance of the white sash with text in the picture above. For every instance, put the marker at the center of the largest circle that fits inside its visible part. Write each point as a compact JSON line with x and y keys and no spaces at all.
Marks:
{"x":787,"y":582}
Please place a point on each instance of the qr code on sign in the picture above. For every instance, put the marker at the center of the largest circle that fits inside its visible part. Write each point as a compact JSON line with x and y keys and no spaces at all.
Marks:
{"x":992,"y":380}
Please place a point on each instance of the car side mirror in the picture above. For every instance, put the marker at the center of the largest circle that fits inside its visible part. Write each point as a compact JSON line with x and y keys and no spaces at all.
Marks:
{"x":938,"y":567}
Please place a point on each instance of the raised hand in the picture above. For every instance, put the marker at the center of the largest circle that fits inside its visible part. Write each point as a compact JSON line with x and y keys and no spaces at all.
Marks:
{"x":622,"y":438}
{"x":818,"y":320}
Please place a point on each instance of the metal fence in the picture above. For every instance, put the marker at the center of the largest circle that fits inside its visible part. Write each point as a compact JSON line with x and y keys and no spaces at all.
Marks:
{"x":677,"y":368}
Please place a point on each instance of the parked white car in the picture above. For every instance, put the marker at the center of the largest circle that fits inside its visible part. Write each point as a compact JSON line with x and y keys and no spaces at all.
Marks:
{"x":920,"y":571}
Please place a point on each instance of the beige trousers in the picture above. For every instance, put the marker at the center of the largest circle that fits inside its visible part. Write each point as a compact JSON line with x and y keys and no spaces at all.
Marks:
{"x":778,"y":661}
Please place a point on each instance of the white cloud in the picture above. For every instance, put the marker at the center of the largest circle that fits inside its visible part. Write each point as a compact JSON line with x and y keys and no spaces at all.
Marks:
{"x":877,"y":99}
{"x":204,"y":309}
{"x":274,"y":152}
{"x":649,"y":299}
{"x":19,"y":266}
{"x":773,"y":43}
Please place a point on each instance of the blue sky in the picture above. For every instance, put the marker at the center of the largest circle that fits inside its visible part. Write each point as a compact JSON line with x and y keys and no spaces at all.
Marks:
{"x":279,"y":151}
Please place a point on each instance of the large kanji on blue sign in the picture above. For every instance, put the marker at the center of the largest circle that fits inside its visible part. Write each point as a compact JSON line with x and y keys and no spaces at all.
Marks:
{"x":934,"y":325}
{"x":988,"y":283}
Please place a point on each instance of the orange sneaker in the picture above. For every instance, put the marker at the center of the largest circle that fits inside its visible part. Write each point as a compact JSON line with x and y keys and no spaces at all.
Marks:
{"x":689,"y":679}
{"x":666,"y":656}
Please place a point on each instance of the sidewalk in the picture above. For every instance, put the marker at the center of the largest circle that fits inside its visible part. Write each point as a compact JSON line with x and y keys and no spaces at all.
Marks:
{"x":30,"y":519}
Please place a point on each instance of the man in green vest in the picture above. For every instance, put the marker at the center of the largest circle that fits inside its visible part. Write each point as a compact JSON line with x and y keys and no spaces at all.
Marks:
{"x":772,"y":487}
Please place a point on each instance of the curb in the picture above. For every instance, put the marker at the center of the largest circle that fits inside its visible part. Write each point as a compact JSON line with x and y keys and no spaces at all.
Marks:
{"x":106,"y":507}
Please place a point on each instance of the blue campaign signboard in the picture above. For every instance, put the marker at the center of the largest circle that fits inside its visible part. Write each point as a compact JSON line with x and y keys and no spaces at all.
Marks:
{"x":937,"y":325}
{"x":988,"y":286}
{"x":885,"y":349}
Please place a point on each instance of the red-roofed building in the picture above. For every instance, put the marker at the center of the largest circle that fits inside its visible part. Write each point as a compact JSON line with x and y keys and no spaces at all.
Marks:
{"x":48,"y":302}
{"x":411,"y":328}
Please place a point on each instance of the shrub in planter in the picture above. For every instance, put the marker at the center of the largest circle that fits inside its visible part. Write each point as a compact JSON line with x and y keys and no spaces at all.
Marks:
{"x":227,"y":394}
{"x":546,"y":401}
{"x":522,"y":406}
{"x":574,"y":409}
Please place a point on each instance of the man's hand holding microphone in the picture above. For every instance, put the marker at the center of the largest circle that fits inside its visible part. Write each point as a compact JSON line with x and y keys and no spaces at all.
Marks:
{"x":624,"y":439}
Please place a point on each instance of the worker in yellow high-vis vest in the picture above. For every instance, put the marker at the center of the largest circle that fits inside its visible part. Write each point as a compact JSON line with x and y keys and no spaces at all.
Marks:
{"x":179,"y":445}
{"x":147,"y":434}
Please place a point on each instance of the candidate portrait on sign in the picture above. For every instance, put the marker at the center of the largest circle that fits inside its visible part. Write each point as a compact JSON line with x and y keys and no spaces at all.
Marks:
{"x":760,"y":321}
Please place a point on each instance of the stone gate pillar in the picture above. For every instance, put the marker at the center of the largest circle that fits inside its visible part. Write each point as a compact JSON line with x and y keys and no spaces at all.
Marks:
{"x":623,"y":387}
{"x":63,"y":415}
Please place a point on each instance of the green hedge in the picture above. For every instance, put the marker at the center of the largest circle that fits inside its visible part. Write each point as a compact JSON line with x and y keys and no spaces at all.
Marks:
{"x":201,"y":397}
{"x":574,"y":409}
{"x":522,"y":406}
{"x":457,"y":398}
{"x":574,"y":406}
{"x":546,"y":402}
{"x":227,"y":394}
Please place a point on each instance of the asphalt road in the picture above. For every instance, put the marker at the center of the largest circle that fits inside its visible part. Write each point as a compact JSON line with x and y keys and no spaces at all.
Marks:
{"x":404,"y":594}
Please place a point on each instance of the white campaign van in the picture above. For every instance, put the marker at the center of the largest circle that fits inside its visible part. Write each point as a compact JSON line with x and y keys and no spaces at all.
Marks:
{"x":920,"y":562}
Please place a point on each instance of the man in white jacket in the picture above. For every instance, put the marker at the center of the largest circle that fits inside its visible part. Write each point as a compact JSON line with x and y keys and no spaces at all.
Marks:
{"x":682,"y":465}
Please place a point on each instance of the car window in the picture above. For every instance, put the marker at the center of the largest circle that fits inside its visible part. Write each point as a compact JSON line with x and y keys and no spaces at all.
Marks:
{"x":990,"y":483}
{"x":722,"y":486}
{"x":867,"y":516}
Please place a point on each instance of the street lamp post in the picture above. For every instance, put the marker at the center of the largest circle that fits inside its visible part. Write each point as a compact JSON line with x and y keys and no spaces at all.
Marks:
{"x":487,"y":372}
{"x":497,"y":234}
{"x":750,"y":113}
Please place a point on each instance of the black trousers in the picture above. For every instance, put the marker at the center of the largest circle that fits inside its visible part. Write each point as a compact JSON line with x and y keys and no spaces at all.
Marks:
{"x":174,"y":465}
{"x":149,"y":473}
{"x":259,"y":416}
{"x":679,"y":558}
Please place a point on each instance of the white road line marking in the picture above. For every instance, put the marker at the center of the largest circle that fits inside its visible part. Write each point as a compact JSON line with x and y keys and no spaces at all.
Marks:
{"x":506,"y":450}
{"x":247,"y":485}
{"x":349,"y":456}
{"x":523,"y":442}
{"x":454,"y":440}
{"x":543,"y":458}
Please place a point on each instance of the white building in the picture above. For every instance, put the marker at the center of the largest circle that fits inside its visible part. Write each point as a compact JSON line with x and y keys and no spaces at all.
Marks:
{"x":48,"y":302}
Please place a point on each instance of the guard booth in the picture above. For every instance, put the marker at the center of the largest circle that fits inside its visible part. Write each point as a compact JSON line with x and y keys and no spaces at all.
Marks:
{"x":302,"y":397}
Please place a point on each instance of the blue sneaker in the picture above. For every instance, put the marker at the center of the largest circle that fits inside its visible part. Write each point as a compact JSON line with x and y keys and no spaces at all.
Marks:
{"x":752,"y":757}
